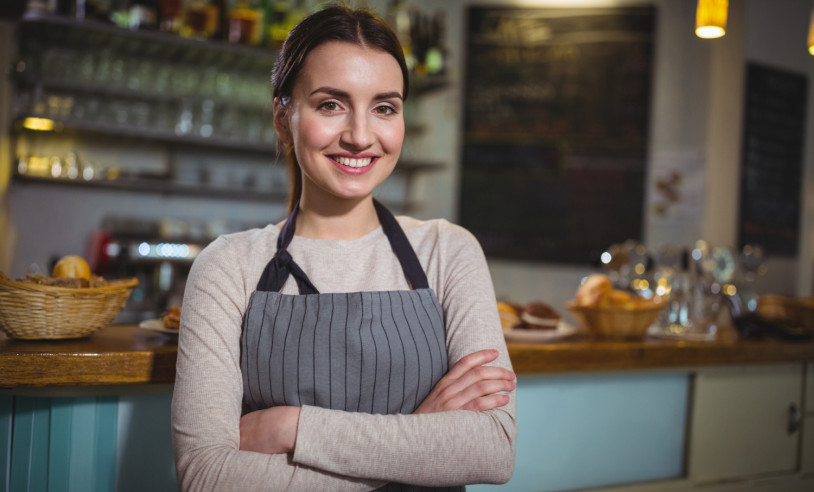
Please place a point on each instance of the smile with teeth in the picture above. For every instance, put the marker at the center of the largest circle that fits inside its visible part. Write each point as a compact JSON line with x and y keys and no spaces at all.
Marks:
{"x":347,"y":161}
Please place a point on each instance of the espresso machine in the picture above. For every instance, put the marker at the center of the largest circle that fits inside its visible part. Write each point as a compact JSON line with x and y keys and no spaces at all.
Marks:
{"x":157,"y":252}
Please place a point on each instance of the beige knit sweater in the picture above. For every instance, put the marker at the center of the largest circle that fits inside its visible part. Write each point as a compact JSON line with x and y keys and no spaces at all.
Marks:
{"x":335,"y":450}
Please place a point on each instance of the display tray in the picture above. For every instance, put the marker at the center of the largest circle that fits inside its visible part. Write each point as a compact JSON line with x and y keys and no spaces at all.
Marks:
{"x":563,"y":330}
{"x":157,"y":325}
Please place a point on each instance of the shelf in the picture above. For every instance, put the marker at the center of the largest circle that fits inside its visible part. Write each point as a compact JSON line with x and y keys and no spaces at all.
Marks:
{"x":93,"y":36}
{"x":424,"y":84}
{"x":96,"y":89}
{"x":106,"y":129}
{"x":157,"y":186}
{"x":60,"y":60}
{"x":167,"y":187}
{"x":55,"y":30}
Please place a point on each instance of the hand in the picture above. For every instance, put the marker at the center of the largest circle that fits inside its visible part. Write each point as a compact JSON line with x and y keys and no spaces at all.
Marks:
{"x":470,"y":385}
{"x":270,"y":431}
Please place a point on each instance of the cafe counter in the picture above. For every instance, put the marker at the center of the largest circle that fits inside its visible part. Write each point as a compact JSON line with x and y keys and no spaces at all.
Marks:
{"x":648,"y":415}
{"x":129,"y":355}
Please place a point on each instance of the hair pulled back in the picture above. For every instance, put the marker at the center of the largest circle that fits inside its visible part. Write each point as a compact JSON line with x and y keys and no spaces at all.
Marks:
{"x":334,"y":23}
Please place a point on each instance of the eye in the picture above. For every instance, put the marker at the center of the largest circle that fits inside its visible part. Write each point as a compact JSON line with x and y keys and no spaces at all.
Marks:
{"x":384,"y":109}
{"x":329,"y":106}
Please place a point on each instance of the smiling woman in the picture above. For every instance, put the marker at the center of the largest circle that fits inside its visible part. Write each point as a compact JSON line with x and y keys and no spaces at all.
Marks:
{"x":344,"y":348}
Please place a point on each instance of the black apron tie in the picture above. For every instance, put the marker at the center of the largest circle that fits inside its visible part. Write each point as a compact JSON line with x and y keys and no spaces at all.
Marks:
{"x":282,"y":264}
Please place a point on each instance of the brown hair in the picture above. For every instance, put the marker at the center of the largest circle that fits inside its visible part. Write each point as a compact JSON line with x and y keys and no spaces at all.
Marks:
{"x":335,"y":23}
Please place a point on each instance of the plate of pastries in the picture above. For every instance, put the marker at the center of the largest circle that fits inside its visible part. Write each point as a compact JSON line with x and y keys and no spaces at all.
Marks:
{"x":168,"y":323}
{"x":536,"y":321}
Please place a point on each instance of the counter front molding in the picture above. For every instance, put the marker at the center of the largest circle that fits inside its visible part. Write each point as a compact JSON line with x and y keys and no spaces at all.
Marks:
{"x":129,"y":355}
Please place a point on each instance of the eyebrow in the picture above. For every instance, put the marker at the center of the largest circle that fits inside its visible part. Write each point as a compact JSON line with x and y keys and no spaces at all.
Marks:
{"x":344,"y":95}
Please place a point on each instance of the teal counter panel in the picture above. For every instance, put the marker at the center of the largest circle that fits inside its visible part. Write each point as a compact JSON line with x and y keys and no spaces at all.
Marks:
{"x":589,"y":431}
{"x":6,"y":412}
{"x":63,"y":444}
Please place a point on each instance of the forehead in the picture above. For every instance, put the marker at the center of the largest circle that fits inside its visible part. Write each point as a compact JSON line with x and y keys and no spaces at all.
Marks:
{"x":348,"y":66}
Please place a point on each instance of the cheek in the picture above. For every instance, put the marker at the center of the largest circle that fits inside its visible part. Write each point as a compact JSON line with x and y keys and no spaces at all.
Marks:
{"x":311,"y":134}
{"x":392,"y":137}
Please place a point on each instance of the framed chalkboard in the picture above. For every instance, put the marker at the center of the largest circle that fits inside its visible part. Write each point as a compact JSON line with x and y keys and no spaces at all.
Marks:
{"x":556,"y":115}
{"x":772,"y":159}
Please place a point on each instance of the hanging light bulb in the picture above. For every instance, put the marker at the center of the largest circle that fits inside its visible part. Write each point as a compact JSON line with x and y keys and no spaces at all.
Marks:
{"x":710,"y":18}
{"x":811,"y":33}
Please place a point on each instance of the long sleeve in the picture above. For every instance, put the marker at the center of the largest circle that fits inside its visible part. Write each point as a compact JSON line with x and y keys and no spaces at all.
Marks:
{"x":336,"y":450}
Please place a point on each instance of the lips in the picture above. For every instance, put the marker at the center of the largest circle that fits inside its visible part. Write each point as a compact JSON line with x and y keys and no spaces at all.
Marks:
{"x":351,"y":162}
{"x":353,"y":165}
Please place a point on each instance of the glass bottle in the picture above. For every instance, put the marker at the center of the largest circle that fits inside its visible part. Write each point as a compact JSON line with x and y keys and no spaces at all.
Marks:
{"x":171,"y":16}
{"x":276,"y":24}
{"x":143,"y":15}
{"x":196,"y":19}
{"x":243,"y":23}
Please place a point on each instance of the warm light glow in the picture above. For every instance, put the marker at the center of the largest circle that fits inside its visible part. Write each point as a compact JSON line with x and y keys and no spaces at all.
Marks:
{"x":811,"y":33}
{"x":710,"y":18}
{"x":40,"y":124}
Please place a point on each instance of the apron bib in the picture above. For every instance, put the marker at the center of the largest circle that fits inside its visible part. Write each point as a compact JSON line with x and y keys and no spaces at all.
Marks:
{"x":376,"y":352}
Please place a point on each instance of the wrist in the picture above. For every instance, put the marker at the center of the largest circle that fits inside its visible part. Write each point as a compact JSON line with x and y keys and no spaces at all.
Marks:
{"x":293,"y":417}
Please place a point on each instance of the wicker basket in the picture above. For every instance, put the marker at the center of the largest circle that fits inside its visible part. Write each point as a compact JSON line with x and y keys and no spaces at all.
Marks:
{"x":617,"y":322}
{"x":33,"y":311}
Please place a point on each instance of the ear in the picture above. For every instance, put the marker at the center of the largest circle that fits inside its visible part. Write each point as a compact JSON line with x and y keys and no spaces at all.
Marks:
{"x":281,"y":122}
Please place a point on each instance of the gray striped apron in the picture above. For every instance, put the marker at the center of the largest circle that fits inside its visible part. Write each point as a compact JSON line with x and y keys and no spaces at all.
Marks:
{"x":375,"y":352}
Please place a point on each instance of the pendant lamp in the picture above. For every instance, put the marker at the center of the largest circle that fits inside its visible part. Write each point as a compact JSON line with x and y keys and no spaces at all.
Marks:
{"x":710,"y":18}
{"x":811,"y":33}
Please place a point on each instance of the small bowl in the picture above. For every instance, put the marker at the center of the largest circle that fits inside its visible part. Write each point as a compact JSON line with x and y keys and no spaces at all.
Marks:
{"x":617,"y":323}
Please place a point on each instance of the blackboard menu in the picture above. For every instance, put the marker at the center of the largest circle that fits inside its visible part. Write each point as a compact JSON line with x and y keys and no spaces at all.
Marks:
{"x":555,"y":129}
{"x":772,"y":159}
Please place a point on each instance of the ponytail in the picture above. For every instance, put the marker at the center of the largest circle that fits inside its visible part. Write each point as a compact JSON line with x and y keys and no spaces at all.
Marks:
{"x":295,"y":183}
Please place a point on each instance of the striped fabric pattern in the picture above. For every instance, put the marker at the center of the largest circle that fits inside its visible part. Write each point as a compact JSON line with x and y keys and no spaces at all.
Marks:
{"x":375,"y":352}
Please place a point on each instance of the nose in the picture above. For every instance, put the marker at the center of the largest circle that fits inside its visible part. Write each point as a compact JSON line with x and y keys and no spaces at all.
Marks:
{"x":357,"y":132}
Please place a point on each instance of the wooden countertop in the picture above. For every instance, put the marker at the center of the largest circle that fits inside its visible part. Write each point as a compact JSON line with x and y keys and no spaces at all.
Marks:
{"x":581,"y":353}
{"x":129,"y":355}
{"x":117,"y":355}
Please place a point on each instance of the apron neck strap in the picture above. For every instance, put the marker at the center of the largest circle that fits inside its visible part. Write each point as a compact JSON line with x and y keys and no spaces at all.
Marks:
{"x":282,"y":265}
{"x":402,"y":247}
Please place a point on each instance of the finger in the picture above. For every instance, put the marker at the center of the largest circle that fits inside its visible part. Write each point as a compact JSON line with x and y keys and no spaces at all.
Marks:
{"x":487,"y":403}
{"x":478,"y":390}
{"x":474,"y":359}
{"x":476,"y":374}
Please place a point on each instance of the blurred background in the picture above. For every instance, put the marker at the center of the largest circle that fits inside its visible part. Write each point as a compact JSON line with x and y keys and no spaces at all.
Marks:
{"x":133,"y":132}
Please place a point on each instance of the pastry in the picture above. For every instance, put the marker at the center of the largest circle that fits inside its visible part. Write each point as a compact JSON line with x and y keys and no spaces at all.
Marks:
{"x":172,"y":318}
{"x":593,"y":290}
{"x":509,"y":315}
{"x":540,"y":316}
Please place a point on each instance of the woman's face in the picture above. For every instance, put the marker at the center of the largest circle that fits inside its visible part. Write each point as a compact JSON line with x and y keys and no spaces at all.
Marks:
{"x":344,"y":120}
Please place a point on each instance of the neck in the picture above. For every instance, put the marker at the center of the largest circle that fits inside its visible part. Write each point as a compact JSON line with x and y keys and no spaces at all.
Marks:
{"x":336,"y":218}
